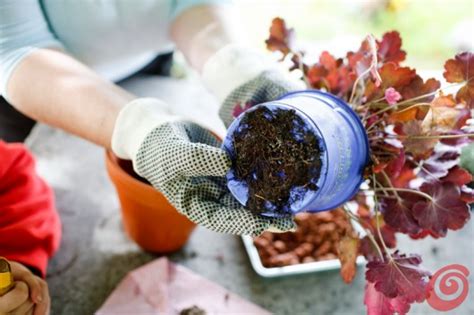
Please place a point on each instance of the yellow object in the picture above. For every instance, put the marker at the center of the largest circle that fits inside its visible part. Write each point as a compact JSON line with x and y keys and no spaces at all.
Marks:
{"x":396,"y":5}
{"x":6,"y":278}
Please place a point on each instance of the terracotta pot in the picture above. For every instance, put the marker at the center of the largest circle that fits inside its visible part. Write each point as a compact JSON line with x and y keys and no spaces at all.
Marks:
{"x":149,"y":219}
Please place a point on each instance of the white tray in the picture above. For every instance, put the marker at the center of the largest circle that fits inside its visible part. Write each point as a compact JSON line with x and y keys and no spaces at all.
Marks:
{"x":317,"y":266}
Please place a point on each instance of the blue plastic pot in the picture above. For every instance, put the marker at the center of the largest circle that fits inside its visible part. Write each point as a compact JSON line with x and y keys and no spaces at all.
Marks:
{"x":343,"y":143}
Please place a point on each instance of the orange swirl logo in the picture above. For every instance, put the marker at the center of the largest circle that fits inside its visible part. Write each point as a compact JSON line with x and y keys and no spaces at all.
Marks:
{"x":449,"y":287}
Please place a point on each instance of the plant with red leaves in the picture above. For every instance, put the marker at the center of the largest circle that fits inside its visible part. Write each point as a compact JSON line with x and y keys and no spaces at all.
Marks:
{"x":416,"y":132}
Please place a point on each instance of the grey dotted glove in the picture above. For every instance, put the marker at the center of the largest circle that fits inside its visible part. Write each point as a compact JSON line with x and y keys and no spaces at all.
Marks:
{"x":240,"y":77}
{"x":267,"y":86}
{"x":184,"y":161}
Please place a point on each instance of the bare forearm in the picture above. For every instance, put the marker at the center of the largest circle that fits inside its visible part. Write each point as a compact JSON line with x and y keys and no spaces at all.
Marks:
{"x":54,"y":88}
{"x":202,"y":31}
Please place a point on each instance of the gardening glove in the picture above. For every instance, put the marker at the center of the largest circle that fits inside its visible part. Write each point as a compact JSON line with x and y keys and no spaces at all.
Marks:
{"x":241,"y":77}
{"x":184,"y":161}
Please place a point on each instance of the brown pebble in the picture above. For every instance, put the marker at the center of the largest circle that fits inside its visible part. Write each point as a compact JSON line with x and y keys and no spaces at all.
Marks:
{"x":280,"y":246}
{"x":308,"y":259}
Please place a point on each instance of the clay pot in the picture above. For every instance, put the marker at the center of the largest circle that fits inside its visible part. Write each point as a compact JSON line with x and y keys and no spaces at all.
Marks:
{"x":149,"y":219}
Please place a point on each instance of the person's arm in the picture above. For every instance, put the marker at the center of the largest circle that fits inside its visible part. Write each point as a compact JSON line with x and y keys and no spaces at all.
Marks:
{"x":54,"y":88}
{"x":45,"y":83}
{"x":200,"y":31}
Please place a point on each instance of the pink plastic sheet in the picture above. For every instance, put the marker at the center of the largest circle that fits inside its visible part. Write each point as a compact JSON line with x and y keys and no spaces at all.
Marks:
{"x":162,"y":287}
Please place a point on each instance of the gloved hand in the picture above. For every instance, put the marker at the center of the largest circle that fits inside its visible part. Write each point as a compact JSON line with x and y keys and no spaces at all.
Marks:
{"x":185,"y":163}
{"x":241,"y":77}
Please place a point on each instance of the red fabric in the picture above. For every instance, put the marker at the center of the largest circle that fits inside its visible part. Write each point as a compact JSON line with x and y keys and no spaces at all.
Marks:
{"x":30,"y":229}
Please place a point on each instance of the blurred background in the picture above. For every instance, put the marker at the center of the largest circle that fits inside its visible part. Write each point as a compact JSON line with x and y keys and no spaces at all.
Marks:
{"x":432,"y":30}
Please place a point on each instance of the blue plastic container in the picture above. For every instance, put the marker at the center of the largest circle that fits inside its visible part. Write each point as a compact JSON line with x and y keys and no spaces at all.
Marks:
{"x":343,"y":143}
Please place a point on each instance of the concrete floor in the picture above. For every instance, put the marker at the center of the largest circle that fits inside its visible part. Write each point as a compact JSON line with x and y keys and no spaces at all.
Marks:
{"x":95,"y":253}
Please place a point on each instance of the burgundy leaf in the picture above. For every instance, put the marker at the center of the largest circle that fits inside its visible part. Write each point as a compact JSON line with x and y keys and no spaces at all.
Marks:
{"x":395,"y":166}
{"x":397,"y":213}
{"x":458,"y":176}
{"x":445,"y":211}
{"x":467,"y":194}
{"x":399,"y":276}
{"x":379,"y":304}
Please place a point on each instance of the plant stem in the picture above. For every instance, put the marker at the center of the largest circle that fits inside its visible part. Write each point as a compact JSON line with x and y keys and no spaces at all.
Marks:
{"x":377,"y":223}
{"x":369,"y":233}
{"x":407,"y":190}
{"x":441,"y":136}
{"x":395,"y":106}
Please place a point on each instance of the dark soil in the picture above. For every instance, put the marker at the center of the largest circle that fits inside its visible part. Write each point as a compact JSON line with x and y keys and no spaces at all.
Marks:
{"x":278,"y":157}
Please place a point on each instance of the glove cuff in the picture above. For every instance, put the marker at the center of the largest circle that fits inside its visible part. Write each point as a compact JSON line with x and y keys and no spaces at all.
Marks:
{"x":135,"y":121}
{"x":232,"y":66}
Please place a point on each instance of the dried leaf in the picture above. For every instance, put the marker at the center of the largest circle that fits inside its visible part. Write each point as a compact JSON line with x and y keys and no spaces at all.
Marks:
{"x":415,"y":144}
{"x":348,"y":250}
{"x":445,"y":119}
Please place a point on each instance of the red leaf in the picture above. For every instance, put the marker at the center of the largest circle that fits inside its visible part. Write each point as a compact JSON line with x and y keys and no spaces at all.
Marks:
{"x":445,"y":211}
{"x":404,"y":178}
{"x":379,"y":304}
{"x":467,"y":194}
{"x":461,"y":69}
{"x":239,"y":109}
{"x":281,"y":38}
{"x":316,"y":75}
{"x":394,"y":167}
{"x":458,"y":176}
{"x":348,"y":249}
{"x":411,"y":113}
{"x":328,"y":61}
{"x":422,"y":235}
{"x":392,"y":76}
{"x":417,"y":87}
{"x":397,"y":213}
{"x":399,"y":276}
{"x":389,"y":48}
{"x":455,"y":141}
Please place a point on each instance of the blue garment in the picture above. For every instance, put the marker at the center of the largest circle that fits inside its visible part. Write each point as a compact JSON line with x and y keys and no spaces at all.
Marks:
{"x":114,"y":37}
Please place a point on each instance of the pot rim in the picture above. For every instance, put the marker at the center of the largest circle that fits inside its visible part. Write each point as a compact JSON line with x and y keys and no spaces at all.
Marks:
{"x":118,"y":174}
{"x":272,"y":105}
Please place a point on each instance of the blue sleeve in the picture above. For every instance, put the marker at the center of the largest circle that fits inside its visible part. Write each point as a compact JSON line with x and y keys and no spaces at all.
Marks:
{"x":179,"y":6}
{"x":23,"y":28}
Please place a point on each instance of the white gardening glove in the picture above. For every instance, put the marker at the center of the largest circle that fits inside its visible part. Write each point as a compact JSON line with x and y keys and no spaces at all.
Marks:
{"x":241,"y":77}
{"x":184,"y":161}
